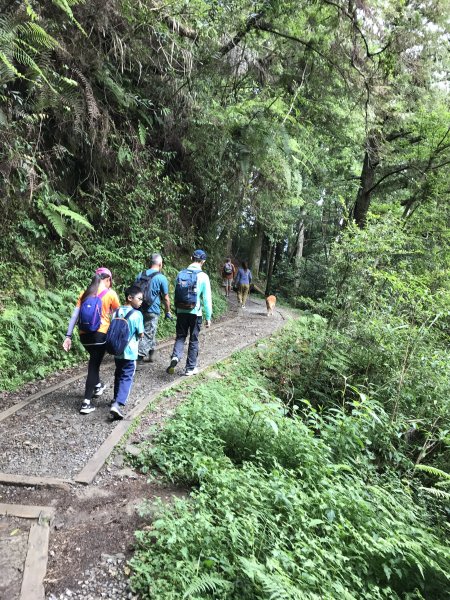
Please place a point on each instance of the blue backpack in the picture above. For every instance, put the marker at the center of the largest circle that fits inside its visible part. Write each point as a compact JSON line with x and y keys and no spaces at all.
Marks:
{"x":118,"y":336}
{"x":186,"y":289}
{"x":90,"y":317}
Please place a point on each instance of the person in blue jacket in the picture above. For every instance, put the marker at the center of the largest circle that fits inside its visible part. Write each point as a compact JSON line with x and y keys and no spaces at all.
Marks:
{"x":189,"y":320}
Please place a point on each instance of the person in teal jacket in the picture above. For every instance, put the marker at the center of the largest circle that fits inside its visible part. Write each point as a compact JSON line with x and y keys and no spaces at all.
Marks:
{"x":189,"y":320}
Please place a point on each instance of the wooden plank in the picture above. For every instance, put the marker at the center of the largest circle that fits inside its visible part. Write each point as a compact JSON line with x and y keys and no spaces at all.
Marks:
{"x":35,"y":563}
{"x":13,"y":409}
{"x":25,"y":511}
{"x":31,"y":480}
{"x":92,"y":468}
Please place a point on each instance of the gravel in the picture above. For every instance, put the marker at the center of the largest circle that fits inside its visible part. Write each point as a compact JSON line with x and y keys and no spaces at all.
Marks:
{"x":106,"y":580}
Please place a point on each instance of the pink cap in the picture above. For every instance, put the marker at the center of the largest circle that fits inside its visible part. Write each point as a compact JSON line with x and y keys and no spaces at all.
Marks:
{"x":103,"y":271}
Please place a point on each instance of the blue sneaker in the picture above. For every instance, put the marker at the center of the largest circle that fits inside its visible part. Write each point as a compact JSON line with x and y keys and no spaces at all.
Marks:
{"x":116,"y":412}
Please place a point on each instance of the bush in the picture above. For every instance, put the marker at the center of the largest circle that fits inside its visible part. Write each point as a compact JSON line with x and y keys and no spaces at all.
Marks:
{"x":295,"y":506}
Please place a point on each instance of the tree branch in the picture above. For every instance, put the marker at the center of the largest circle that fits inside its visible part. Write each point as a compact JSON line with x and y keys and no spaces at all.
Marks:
{"x":250,"y":24}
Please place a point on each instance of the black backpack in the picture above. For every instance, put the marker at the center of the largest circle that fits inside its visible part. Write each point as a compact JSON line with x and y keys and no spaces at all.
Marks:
{"x":144,"y":283}
{"x":118,"y":336}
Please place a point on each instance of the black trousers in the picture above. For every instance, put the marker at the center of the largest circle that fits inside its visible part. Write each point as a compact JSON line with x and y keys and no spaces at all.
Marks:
{"x":96,"y":353}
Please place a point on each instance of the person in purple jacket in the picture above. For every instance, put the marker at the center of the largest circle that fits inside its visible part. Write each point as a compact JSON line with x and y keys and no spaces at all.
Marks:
{"x":242,"y":282}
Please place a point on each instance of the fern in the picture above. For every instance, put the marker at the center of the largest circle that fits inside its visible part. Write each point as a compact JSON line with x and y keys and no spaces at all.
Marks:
{"x":433,"y":471}
{"x":436,"y":492}
{"x":204,"y":583}
{"x":65,"y":6}
{"x":65,"y":211}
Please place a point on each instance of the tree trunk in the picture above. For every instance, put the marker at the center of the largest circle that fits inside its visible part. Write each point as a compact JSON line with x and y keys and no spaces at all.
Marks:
{"x":299,"y":253}
{"x":363,"y":198}
{"x":278,"y":255}
{"x":255,"y":250}
{"x":270,"y":270}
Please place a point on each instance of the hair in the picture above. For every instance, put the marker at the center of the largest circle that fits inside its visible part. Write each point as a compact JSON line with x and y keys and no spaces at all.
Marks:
{"x":228,"y":259}
{"x":244,"y":265}
{"x":92,"y":289}
{"x":156,"y":259}
{"x":132,"y":291}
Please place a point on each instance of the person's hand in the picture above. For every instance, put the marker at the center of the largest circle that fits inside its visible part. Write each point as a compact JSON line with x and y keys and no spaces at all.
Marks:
{"x":67,"y":344}
{"x":207,"y":324}
{"x":169,"y":316}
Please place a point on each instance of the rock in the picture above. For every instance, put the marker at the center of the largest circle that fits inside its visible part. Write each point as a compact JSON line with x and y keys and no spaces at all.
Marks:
{"x":133,"y":450}
{"x":127,"y":472}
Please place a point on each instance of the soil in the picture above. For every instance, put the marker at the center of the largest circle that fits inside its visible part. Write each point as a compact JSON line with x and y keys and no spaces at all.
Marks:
{"x":91,"y":536}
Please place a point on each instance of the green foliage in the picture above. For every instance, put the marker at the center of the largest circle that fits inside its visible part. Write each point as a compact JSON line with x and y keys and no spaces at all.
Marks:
{"x":285,"y":507}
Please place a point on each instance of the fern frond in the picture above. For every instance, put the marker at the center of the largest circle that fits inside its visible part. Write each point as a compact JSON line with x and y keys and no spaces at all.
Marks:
{"x":204,"y":583}
{"x":36,"y":35}
{"x":433,"y":471}
{"x":56,"y":221}
{"x":436,"y":492}
{"x":65,"y":211}
{"x":65,"y":6}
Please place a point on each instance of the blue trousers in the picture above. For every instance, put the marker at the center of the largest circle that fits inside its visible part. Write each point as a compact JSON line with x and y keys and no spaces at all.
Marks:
{"x":187,"y":324}
{"x":123,"y":379}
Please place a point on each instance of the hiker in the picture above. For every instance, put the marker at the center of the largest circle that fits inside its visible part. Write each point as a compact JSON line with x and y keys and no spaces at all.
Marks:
{"x":228,"y":273}
{"x":126,"y":360}
{"x":154,"y":286}
{"x":242,"y":282}
{"x":93,"y":314}
{"x":192,"y":290}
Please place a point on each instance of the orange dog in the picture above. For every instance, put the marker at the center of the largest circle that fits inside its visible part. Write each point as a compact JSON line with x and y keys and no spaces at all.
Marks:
{"x":270,"y":304}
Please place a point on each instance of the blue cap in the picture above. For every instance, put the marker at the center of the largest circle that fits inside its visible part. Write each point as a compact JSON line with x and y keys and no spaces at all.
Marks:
{"x":199,"y":255}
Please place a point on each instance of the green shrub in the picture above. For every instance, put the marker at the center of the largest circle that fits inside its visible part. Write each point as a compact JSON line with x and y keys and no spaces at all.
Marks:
{"x":288,"y":504}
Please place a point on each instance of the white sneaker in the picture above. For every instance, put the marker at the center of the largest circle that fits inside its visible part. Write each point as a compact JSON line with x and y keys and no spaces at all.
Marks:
{"x":86,"y":408}
{"x":99,"y":389}
{"x":190,"y":372}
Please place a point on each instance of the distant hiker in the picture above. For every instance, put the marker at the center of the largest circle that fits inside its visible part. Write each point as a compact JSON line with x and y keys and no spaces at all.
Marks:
{"x":93,"y":315}
{"x":228,"y":273}
{"x":192,"y":290}
{"x":129,"y":320}
{"x":270,"y":304}
{"x":242,"y":282}
{"x":154,"y":287}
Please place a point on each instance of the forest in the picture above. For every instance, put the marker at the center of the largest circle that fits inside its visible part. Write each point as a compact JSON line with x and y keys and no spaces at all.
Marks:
{"x":313,"y":140}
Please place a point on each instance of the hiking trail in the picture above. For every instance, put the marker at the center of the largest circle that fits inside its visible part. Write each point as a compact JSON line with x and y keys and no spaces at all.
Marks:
{"x":63,"y":483}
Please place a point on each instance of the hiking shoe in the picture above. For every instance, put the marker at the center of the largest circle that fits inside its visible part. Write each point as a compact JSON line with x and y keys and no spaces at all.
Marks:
{"x":86,"y":408}
{"x":99,"y":389}
{"x":173,"y":363}
{"x":116,"y":412}
{"x":189,"y":372}
{"x":140,"y":358}
{"x":150,"y":357}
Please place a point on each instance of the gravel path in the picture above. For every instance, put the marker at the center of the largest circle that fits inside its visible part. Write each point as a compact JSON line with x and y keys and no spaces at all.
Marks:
{"x":49,"y":437}
{"x":91,"y":537}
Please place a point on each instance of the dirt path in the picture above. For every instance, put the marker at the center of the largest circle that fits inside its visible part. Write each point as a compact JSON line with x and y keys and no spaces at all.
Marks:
{"x":91,"y":535}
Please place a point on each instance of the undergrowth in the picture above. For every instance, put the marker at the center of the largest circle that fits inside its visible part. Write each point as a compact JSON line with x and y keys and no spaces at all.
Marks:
{"x":286,"y":503}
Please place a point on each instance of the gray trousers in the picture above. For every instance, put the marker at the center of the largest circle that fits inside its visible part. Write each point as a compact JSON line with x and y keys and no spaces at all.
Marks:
{"x":148,"y":342}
